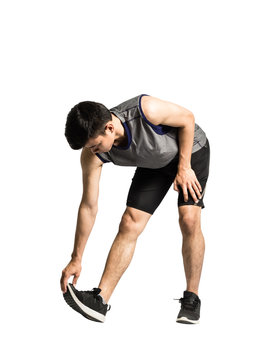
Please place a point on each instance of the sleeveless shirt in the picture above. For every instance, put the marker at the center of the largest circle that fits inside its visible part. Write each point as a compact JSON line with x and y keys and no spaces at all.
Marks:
{"x":149,"y":146}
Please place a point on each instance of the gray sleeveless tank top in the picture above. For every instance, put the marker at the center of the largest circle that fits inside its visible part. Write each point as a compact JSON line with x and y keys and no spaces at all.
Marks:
{"x":149,"y":146}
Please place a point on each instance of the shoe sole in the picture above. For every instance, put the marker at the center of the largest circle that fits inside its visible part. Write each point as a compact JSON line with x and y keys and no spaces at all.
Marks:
{"x":84,"y":310}
{"x":185,"y":320}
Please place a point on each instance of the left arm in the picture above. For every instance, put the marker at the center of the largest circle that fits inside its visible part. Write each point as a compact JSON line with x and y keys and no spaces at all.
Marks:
{"x":160,"y":112}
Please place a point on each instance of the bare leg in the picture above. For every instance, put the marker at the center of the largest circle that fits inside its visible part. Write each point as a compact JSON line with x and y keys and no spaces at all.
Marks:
{"x":193,"y":247}
{"x":132,"y":224}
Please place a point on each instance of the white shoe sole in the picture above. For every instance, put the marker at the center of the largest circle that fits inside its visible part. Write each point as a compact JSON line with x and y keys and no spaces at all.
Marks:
{"x":85,"y":309}
{"x":185,"y":320}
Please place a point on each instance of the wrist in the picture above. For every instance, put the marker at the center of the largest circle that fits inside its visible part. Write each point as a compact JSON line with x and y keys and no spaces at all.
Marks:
{"x":183,"y":167}
{"x":76,"y":258}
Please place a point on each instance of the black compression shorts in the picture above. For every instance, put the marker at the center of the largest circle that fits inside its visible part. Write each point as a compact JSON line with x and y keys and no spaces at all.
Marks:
{"x":149,"y":186}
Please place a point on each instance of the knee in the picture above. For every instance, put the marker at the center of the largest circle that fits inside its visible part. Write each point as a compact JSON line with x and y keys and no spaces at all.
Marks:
{"x":189,"y":223}
{"x":129,"y":224}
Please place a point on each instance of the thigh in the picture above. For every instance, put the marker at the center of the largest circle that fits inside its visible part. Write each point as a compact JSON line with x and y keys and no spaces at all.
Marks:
{"x":148,"y":188}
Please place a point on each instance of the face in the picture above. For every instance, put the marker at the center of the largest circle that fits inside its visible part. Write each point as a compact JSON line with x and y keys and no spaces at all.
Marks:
{"x":101,"y":143}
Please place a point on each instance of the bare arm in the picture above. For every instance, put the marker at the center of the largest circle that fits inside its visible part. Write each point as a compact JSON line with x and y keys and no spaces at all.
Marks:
{"x":163,"y":112}
{"x":91,"y":171}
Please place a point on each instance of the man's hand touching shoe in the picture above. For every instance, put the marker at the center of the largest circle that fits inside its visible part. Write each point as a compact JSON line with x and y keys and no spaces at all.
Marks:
{"x":72,"y":269}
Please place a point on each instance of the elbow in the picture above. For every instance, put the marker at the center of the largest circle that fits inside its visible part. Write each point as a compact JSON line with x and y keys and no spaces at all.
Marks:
{"x":91,"y":208}
{"x":188,"y":120}
{"x":191,"y":116}
{"x":191,"y":119}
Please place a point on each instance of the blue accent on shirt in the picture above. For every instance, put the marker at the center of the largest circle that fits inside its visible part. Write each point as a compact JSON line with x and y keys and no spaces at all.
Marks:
{"x":129,"y":138}
{"x":159,"y":129}
{"x":101,"y":158}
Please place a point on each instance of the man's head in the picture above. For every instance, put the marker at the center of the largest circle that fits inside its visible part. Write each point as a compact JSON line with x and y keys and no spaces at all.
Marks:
{"x":90,"y":124}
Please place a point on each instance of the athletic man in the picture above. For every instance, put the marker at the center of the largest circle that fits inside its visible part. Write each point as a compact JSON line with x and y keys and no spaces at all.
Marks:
{"x":163,"y":141}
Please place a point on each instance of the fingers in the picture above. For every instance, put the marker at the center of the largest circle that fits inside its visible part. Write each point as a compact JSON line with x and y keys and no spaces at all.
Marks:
{"x":185,"y":193}
{"x":75,"y":279}
{"x":73,"y":268}
{"x":176,"y":186}
{"x":197,"y":192}
{"x":64,"y":281}
{"x":199,"y":186}
{"x":188,"y":182}
{"x":194,"y":192}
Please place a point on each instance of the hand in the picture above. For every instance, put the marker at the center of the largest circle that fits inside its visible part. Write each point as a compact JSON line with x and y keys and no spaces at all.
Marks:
{"x":187,"y":180}
{"x":73,"y":268}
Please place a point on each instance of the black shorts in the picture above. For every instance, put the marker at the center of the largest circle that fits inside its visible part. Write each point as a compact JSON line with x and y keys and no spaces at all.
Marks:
{"x":149,"y":186}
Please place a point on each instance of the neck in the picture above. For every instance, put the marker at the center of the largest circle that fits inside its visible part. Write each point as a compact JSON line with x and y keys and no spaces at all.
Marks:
{"x":120,"y":135}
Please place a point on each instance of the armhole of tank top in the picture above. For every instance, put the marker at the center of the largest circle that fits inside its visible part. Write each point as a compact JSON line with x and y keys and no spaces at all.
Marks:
{"x":102,"y":159}
{"x":158,"y":129}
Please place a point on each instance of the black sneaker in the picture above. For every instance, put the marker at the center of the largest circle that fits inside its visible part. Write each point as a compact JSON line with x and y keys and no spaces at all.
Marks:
{"x":87,"y":303}
{"x":190,"y":308}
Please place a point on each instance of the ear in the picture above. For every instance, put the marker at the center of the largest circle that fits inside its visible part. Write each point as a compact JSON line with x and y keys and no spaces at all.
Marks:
{"x":110,"y":127}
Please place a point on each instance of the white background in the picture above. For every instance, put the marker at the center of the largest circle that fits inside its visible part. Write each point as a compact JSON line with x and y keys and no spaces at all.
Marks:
{"x":216,"y":58}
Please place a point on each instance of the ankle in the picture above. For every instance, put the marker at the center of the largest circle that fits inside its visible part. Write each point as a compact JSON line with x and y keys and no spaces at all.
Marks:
{"x":195,"y":291}
{"x":105,"y":296}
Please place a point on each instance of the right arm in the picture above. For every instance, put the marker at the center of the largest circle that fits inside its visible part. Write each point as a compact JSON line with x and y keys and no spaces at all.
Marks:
{"x":91,"y":171}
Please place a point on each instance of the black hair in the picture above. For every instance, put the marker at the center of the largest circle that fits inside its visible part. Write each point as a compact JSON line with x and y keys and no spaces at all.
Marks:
{"x":85,"y":120}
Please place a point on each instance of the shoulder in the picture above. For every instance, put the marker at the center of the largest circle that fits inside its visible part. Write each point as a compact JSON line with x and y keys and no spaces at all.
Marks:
{"x":162,"y":112}
{"x":150,"y":103}
{"x":155,"y":109}
{"x":89,"y":160}
{"x":151,"y":106}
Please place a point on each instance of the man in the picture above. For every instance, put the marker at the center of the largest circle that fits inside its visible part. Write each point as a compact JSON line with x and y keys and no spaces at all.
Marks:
{"x":162,"y":140}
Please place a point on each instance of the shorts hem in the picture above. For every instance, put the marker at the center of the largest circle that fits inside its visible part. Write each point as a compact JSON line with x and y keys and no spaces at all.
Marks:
{"x":139,"y":208}
{"x":202,"y":206}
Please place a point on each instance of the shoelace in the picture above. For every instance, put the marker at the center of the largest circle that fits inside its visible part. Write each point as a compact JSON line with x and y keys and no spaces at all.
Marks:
{"x":188,"y":304}
{"x":95,"y":292}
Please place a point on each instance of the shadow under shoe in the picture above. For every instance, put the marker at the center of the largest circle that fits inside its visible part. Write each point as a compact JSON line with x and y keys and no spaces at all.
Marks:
{"x":190,"y":308}
{"x":88,"y":303}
